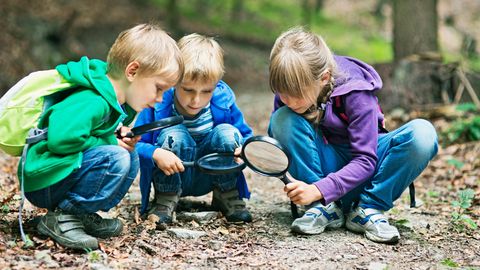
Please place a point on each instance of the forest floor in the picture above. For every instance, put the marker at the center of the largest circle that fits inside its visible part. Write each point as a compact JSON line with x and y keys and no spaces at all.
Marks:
{"x":430,"y":238}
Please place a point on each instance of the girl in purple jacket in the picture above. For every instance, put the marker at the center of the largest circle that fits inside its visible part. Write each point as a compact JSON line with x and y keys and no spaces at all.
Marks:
{"x":339,"y":164}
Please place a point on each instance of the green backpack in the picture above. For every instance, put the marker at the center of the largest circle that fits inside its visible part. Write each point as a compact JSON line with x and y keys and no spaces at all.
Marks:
{"x":20,"y":109}
{"x":23,"y":104}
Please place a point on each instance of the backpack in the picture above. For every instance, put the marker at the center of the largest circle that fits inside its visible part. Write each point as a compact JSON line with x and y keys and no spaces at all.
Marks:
{"x":20,"y":110}
{"x":338,"y":107}
{"x":22,"y":106}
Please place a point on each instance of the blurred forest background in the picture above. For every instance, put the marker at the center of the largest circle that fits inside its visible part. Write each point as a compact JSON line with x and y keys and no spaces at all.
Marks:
{"x":440,"y":34}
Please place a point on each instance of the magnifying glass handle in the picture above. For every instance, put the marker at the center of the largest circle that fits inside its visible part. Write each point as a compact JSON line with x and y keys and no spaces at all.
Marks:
{"x":188,"y":163}
{"x":285,"y":179}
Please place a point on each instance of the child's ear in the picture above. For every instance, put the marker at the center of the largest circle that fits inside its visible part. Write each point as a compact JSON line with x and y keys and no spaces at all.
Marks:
{"x":325,"y":78}
{"x":131,"y":70}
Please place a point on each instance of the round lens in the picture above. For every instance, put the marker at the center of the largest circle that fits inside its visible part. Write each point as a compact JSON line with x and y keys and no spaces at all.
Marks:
{"x":266,"y":157}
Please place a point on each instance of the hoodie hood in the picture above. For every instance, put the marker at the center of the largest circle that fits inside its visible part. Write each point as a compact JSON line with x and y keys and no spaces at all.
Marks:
{"x":91,"y":74}
{"x":354,"y":74}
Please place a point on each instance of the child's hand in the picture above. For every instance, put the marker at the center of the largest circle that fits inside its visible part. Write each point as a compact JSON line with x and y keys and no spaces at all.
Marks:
{"x":127,"y":143}
{"x":302,"y":193}
{"x":167,"y":161}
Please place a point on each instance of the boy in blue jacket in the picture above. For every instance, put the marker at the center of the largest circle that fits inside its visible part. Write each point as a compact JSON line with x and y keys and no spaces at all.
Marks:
{"x":213,"y":123}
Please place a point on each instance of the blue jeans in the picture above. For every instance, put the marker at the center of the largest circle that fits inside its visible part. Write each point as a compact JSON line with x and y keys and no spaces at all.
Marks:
{"x":192,"y":182}
{"x":402,"y":155}
{"x":100,"y":183}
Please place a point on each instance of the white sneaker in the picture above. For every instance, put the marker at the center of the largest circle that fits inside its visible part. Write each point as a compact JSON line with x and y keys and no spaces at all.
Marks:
{"x":374,"y":224}
{"x":317,"y":218}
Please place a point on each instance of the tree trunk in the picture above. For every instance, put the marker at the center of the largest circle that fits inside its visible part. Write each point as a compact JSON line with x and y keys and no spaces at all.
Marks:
{"x":238,"y":12}
{"x":415,"y":27}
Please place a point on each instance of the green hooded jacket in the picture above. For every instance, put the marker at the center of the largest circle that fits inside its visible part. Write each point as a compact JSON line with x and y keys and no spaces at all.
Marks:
{"x":86,"y":118}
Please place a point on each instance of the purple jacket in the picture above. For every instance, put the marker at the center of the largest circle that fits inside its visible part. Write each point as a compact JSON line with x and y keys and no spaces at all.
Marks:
{"x":357,"y":83}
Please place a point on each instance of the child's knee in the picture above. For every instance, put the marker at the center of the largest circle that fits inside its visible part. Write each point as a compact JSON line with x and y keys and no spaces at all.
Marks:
{"x":285,"y":119}
{"x":119,"y":160}
{"x":425,"y":141}
{"x":175,"y":139}
{"x":227,"y":135}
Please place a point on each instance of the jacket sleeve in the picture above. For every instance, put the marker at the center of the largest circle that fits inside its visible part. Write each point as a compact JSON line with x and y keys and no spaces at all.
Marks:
{"x":238,"y":121}
{"x":361,"y":107}
{"x":145,"y":147}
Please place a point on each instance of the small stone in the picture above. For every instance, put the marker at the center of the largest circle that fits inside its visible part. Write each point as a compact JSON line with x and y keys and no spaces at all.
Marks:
{"x":184,"y":233}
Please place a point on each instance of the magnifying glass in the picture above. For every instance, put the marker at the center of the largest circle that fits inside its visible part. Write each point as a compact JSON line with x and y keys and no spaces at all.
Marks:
{"x":156,"y":125}
{"x":266,"y":156}
{"x":217,"y":163}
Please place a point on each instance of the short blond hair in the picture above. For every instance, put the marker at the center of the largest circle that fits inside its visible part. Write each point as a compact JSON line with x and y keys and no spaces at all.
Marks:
{"x":298,"y":60}
{"x":203,"y":58}
{"x":148,"y":44}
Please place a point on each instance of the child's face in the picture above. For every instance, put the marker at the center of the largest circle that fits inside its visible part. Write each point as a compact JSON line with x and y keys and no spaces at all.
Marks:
{"x":301,"y":104}
{"x":296,"y":104}
{"x":193,"y":96}
{"x":144,"y":91}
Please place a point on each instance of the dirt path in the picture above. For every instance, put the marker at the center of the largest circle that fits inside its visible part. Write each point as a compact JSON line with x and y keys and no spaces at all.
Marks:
{"x":429,"y":241}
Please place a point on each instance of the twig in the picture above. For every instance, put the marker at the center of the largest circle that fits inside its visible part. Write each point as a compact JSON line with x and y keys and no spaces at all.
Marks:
{"x":469,"y":87}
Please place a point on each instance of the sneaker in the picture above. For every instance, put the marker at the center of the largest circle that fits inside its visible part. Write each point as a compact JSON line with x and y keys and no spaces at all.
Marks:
{"x":67,"y":230}
{"x":97,"y":226}
{"x":374,"y":224}
{"x":163,"y":207}
{"x":231,"y":206}
{"x":318,"y":218}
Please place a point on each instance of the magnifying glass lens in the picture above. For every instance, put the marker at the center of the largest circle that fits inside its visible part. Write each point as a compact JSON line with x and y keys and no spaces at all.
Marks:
{"x":266,"y":158}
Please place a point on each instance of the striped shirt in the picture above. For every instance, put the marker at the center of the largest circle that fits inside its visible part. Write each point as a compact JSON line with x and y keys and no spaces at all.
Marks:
{"x":199,"y":125}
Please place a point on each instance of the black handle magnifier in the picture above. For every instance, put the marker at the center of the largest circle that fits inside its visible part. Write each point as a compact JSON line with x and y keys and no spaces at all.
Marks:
{"x":156,"y":125}
{"x":217,"y":163}
{"x":266,"y":156}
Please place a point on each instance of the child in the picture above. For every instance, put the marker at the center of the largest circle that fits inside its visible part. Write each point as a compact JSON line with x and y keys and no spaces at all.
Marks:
{"x":337,"y":161}
{"x":83,"y":167}
{"x":213,"y":123}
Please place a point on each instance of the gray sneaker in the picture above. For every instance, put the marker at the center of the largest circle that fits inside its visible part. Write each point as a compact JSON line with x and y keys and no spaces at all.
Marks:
{"x":232,"y":207}
{"x":163,"y":207}
{"x":97,"y":226}
{"x":373,"y":223}
{"x":318,"y":218}
{"x":67,"y":230}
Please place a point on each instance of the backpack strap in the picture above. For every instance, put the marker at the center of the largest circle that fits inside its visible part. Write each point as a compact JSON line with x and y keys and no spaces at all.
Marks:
{"x":338,"y":107}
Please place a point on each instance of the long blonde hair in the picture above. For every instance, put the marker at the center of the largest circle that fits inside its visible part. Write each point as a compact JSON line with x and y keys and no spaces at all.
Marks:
{"x":298,"y":60}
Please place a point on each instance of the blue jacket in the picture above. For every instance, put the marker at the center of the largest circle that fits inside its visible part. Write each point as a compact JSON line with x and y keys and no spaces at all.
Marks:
{"x":224,"y":110}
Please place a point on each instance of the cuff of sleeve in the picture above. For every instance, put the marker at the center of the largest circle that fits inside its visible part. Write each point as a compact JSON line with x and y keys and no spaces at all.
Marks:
{"x":329,"y":189}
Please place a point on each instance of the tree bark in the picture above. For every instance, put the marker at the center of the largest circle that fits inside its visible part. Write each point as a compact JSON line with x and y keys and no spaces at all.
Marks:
{"x":415,"y":27}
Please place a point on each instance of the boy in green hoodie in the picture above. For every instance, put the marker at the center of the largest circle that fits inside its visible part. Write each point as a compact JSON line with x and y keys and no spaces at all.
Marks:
{"x":83,"y":167}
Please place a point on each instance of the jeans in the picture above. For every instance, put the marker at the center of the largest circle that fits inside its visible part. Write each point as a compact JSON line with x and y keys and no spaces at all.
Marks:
{"x":402,"y":155}
{"x":100,"y":183}
{"x":192,"y":182}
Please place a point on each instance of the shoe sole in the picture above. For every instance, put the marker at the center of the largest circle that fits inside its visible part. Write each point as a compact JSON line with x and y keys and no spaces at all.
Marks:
{"x":317,"y":230}
{"x":44,"y":230}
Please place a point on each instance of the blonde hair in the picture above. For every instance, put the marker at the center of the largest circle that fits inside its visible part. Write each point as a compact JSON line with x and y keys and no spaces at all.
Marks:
{"x":148,"y":44}
{"x":203,"y":58}
{"x":298,"y":60}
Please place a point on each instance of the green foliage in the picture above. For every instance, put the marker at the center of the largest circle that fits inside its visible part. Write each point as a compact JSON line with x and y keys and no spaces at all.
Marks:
{"x":93,"y":256}
{"x":455,"y":162}
{"x":460,"y":218}
{"x":449,"y":262}
{"x":28,"y":243}
{"x":5,"y":208}
{"x":465,"y":128}
{"x":264,"y":20}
